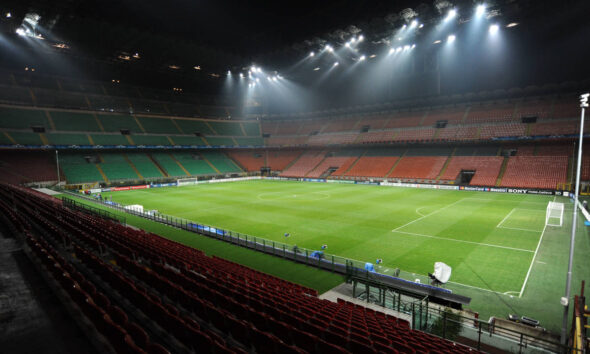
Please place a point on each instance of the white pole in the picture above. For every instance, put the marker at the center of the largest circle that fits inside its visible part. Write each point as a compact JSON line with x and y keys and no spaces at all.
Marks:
{"x":565,"y":299}
{"x":57,"y":163}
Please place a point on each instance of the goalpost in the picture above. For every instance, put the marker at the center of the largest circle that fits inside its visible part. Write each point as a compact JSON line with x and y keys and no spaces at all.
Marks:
{"x":554,"y":216}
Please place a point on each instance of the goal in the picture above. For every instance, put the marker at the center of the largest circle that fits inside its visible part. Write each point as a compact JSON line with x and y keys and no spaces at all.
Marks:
{"x":186,"y":181}
{"x":554,"y":215}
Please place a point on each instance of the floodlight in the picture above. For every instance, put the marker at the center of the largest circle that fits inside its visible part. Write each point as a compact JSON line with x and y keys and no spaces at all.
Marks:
{"x":316,"y":68}
{"x":421,"y":25}
{"x":480,"y":10}
{"x":512,"y":24}
{"x":391,"y":51}
{"x":398,"y":49}
{"x":437,"y":41}
{"x":404,"y":26}
{"x":311,"y":54}
{"x":414,"y":24}
{"x":406,"y":47}
{"x":362,"y":58}
{"x":20,"y":31}
{"x":336,"y":64}
{"x":229,"y":72}
{"x":347,"y":45}
{"x":253,"y":68}
{"x":494,"y":29}
{"x":353,"y":39}
{"x":361,"y":38}
{"x":257,"y":80}
{"x":241,"y":76}
{"x":413,"y":46}
{"x":452,"y":13}
{"x":8,"y":15}
{"x":451,"y":38}
{"x":274,"y":78}
{"x":373,"y":56}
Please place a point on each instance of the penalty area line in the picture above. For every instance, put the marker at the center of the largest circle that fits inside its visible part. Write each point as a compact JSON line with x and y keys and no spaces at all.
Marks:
{"x":506,"y":217}
{"x":424,"y":216}
{"x":507,"y":293}
{"x":462,"y":241}
{"x":533,"y":260}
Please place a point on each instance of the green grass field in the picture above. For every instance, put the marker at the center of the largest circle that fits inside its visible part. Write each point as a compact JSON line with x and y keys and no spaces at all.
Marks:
{"x":489,"y":239}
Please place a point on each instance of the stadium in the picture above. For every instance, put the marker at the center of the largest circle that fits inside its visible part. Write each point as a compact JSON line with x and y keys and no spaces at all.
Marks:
{"x":294,"y":177}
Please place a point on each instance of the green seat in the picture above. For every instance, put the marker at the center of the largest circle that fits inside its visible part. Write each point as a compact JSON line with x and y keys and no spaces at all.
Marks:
{"x":115,"y":166}
{"x":194,"y":164}
{"x":223,"y":163}
{"x":17,"y":118}
{"x":26,"y":138}
{"x":4,"y":139}
{"x":116,"y":122}
{"x":252,"y":129}
{"x":144,"y":165}
{"x":250,"y":141}
{"x":150,"y":140}
{"x":109,"y":139}
{"x":67,"y":139}
{"x":158,"y":125}
{"x":193,"y":126}
{"x":227,"y":128}
{"x":217,"y":141}
{"x":187,"y":140}
{"x":168,"y":164}
{"x":77,"y":169}
{"x":70,"y":121}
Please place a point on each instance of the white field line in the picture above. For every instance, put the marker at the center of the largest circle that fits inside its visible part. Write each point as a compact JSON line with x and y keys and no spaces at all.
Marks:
{"x":463,"y":241}
{"x":518,"y":229}
{"x":418,"y":211}
{"x":506,"y":217}
{"x":488,"y":290}
{"x":533,"y":260}
{"x":424,"y":216}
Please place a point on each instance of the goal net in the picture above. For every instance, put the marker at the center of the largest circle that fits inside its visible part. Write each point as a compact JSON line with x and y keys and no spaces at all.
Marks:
{"x":186,"y":181}
{"x":554,"y":215}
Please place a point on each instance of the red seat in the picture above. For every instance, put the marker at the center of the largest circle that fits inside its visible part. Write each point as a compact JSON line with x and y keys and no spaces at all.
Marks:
{"x":140,"y":337}
{"x":156,"y":348}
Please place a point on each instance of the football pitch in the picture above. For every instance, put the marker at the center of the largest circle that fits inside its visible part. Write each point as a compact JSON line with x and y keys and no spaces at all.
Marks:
{"x":497,"y":244}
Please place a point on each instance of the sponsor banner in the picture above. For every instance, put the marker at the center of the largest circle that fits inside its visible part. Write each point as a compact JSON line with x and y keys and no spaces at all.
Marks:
{"x":117,"y":189}
{"x":476,"y":189}
{"x":344,"y":181}
{"x":542,"y":192}
{"x":145,"y":186}
{"x":446,"y":187}
{"x":367,"y":183}
{"x":106,"y":189}
{"x":314,"y":180}
{"x":95,"y":190}
{"x":517,"y":191}
{"x":499,"y":190}
{"x":427,"y":186}
{"x":235,"y":179}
